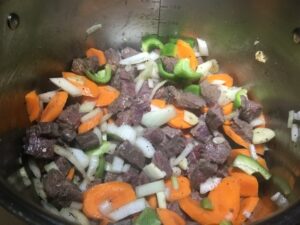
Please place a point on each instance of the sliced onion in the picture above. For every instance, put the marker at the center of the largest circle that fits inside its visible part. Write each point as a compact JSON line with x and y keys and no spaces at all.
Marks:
{"x":105,"y":207}
{"x":124,"y":132}
{"x":93,"y":165}
{"x":108,"y":167}
{"x":140,"y":66}
{"x":135,"y":59}
{"x":112,"y":147}
{"x":247,"y":214}
{"x":161,"y":200}
{"x":93,"y":28}
{"x":159,"y":117}
{"x":47,"y":96}
{"x":202,"y":45}
{"x":258,"y":122}
{"x":290,"y":119}
{"x":153,"y":172}
{"x":154,"y":56}
{"x":25,"y":178}
{"x":150,"y":188}
{"x":103,"y":126}
{"x":145,"y":147}
{"x":175,"y":183}
{"x":126,"y":168}
{"x":66,"y":86}
{"x":65,"y":213}
{"x":97,"y":131}
{"x":69,"y":156}
{"x":79,"y":217}
{"x":87,"y":106}
{"x":158,"y":86}
{"x":279,"y":199}
{"x":39,"y":188}
{"x":83,"y":185}
{"x":106,"y":117}
{"x":210,"y":184}
{"x":150,"y":83}
{"x":34,"y":168}
{"x":117,"y":164}
{"x":297,"y":115}
{"x":139,"y":130}
{"x":139,"y":85}
{"x":183,"y":164}
{"x":294,"y":133}
{"x":80,"y":156}
{"x":262,"y":135}
{"x":190,"y":118}
{"x":90,"y":115}
{"x":46,"y":205}
{"x":50,"y":166}
{"x":218,"y":82}
{"x":218,"y":140}
{"x":253,"y":152}
{"x":76,"y":205}
{"x":128,"y":209}
{"x":227,"y":94}
{"x":188,"y":149}
{"x":208,"y":67}
{"x":176,"y":171}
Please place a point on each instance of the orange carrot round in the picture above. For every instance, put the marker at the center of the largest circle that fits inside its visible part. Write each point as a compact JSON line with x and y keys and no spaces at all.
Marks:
{"x":33,"y":105}
{"x":168,"y":217}
{"x":90,"y":124}
{"x":116,"y":193}
{"x":235,"y":137}
{"x":107,"y":95}
{"x":178,"y":121}
{"x":247,"y":206}
{"x":228,"y":108}
{"x":87,"y":87}
{"x":248,"y":184}
{"x":160,"y":103}
{"x":183,"y":191}
{"x":98,"y":53}
{"x":184,"y":50}
{"x":54,"y":107}
{"x":228,"y":81}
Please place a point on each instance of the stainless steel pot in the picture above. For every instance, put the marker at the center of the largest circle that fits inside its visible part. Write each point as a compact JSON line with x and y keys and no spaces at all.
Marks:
{"x":39,"y":38}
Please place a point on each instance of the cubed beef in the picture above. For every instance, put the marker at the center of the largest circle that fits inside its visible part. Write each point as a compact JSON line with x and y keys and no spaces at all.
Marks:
{"x":169,"y":63}
{"x":63,"y":165}
{"x":131,"y":154}
{"x":174,"y":206}
{"x":122,"y":103}
{"x":39,"y":147}
{"x":210,"y":92}
{"x":131,"y":176}
{"x":70,"y":117}
{"x":171,"y":132}
{"x":82,"y":65}
{"x":155,"y":135}
{"x":195,"y":155}
{"x":123,"y":80}
{"x":195,"y":195}
{"x":49,"y":129}
{"x":243,"y":129}
{"x":143,"y":179}
{"x":87,"y":140}
{"x":173,"y":146}
{"x":68,"y":135}
{"x":201,"y":132}
{"x":162,"y":162}
{"x":59,"y":190}
{"x":216,"y":152}
{"x":109,"y":176}
{"x":215,"y":117}
{"x":113,"y":57}
{"x":249,"y":109}
{"x":128,"y":52}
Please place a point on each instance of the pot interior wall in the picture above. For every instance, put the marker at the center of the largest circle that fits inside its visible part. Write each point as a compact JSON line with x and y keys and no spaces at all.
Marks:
{"x":51,"y":33}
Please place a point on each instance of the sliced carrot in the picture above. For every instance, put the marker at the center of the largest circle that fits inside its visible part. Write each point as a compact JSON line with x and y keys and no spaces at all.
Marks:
{"x":98,"y":53}
{"x":248,"y":184}
{"x":228,"y":81}
{"x":87,"y":87}
{"x":90,"y":124}
{"x":225,"y":199}
{"x":227,"y":109}
{"x":169,"y":217}
{"x":71,"y":174}
{"x":152,"y":200}
{"x":54,"y":107}
{"x":247,"y":207}
{"x":33,"y":105}
{"x":116,"y":193}
{"x":235,"y":152}
{"x":184,"y":50}
{"x":260,"y":149}
{"x":235,"y":137}
{"x":227,"y":122}
{"x":183,"y":190}
{"x":178,"y":121}
{"x":204,"y":109}
{"x":107,"y":95}
{"x":160,"y":103}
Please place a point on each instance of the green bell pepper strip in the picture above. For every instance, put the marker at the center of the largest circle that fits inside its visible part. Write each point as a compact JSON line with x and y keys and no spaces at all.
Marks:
{"x":225,"y":222}
{"x":237,"y":100}
{"x":189,"y":40}
{"x":147,"y":217}
{"x":193,"y":88}
{"x":101,"y":167}
{"x":163,"y":73}
{"x":206,"y":204}
{"x":169,"y":49}
{"x":151,"y":42}
{"x":250,"y":166}
{"x":281,"y":183}
{"x":104,"y":148}
{"x":102,"y":76}
{"x":183,"y":71}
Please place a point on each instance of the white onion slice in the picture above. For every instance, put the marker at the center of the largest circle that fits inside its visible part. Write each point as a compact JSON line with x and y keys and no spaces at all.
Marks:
{"x":190,"y":118}
{"x":47,"y":96}
{"x":258,"y":122}
{"x":253,"y":152}
{"x":93,"y":165}
{"x":297,"y":115}
{"x":208,"y":67}
{"x":80,"y":156}
{"x":262,"y":135}
{"x":150,"y":188}
{"x":34,"y":168}
{"x":218,"y":82}
{"x":76,"y":205}
{"x":117,"y":164}
{"x":138,"y":85}
{"x":105,"y":207}
{"x":126,"y":168}
{"x":159,"y":117}
{"x":184,"y":164}
{"x":79,"y":217}
{"x":124,"y":132}
{"x":150,"y":83}
{"x":210,"y":184}
{"x":87,"y":106}
{"x":158,"y":86}
{"x":188,"y":149}
{"x":153,"y":172}
{"x":135,"y":59}
{"x":39,"y":188}
{"x":140,"y":66}
{"x":294,"y":133}
{"x":290,"y":119}
{"x":128,"y":209}
{"x":202,"y":45}
{"x":93,"y":28}
{"x":66,"y":86}
{"x":161,"y":200}
{"x":153,"y":56}
{"x":279,"y":199}
{"x":227,"y":94}
{"x":176,"y":171}
{"x":97,"y":131}
{"x":46,"y":205}
{"x":90,"y":115}
{"x":145,"y":147}
{"x":50,"y":166}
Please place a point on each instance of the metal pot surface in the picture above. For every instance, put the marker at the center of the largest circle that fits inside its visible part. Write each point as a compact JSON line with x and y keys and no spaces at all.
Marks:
{"x":40,"y":38}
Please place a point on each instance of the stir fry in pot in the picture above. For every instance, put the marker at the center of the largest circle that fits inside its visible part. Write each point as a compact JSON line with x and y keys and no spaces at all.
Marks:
{"x":157,"y":136}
